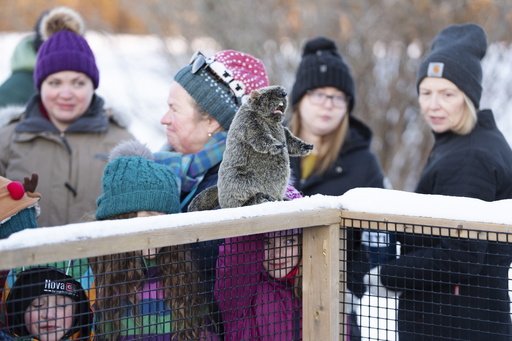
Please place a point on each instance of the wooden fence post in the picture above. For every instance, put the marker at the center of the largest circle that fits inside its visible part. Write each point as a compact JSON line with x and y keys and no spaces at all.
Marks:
{"x":321,"y":283}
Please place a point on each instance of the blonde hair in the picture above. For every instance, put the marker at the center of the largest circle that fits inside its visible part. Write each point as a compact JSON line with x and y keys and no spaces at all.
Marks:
{"x":331,"y":143}
{"x":469,"y":118}
{"x":118,"y":277}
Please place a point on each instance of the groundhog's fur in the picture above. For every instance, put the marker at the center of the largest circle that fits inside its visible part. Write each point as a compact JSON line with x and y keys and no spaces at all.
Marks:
{"x":256,"y":166}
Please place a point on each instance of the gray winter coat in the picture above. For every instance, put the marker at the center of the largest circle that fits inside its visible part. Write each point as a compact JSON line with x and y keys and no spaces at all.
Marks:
{"x":69,"y":164}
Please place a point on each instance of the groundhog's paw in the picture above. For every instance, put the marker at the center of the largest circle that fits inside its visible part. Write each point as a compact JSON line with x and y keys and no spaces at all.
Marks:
{"x":259,"y":198}
{"x":277,"y":148}
{"x":305,"y":148}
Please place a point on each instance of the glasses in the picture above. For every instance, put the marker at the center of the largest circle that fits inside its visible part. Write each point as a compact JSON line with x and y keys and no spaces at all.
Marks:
{"x":320,"y":98}
{"x":219,"y":70}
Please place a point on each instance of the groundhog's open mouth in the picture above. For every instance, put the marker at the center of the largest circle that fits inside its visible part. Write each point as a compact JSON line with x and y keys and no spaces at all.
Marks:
{"x":279,"y":109}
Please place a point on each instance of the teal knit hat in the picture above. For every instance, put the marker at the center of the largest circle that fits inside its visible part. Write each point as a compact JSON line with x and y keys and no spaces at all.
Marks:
{"x":220,"y":83}
{"x":133,"y":182}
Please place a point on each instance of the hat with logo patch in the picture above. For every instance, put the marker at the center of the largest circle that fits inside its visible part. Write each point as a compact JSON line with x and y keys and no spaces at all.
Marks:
{"x":456,"y":55}
{"x":38,"y":281}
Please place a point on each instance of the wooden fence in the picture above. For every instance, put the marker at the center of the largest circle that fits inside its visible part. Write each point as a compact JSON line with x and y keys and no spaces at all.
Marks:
{"x":322,"y":219}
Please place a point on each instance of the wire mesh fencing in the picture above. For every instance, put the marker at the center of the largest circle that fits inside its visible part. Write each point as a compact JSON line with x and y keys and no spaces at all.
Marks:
{"x":445,"y":283}
{"x":307,"y":274}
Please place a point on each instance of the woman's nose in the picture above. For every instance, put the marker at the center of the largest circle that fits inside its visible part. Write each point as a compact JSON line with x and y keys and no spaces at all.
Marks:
{"x":434,"y":101}
{"x":329,"y":102}
{"x":65,"y":92}
{"x":167,"y":118}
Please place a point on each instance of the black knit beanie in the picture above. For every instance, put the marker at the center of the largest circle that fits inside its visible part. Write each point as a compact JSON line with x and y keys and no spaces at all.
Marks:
{"x":39,"y":281}
{"x":456,"y":55}
{"x":321,"y":66}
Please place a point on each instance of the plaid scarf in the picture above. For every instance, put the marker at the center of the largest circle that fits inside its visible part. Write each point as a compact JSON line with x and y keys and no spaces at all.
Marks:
{"x":190,"y":169}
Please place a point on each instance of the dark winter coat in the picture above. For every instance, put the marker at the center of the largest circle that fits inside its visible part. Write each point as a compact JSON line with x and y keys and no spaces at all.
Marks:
{"x":69,"y":164}
{"x":356,"y":166}
{"x":457,"y":288}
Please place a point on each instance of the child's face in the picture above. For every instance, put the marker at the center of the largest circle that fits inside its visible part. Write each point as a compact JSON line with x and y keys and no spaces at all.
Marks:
{"x":282,"y":255}
{"x":49,"y":317}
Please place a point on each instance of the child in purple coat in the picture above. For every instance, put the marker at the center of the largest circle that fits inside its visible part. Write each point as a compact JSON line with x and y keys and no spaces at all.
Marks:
{"x":258,"y":285}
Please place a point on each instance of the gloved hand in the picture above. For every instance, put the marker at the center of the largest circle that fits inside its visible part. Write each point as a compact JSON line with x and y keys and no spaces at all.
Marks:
{"x":375,"y":287}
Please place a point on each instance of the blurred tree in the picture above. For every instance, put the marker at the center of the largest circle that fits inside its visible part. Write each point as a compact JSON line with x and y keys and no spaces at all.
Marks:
{"x":383,"y":41}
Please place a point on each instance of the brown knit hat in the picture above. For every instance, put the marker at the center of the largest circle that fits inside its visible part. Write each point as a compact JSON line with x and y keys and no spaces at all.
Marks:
{"x":18,"y":208}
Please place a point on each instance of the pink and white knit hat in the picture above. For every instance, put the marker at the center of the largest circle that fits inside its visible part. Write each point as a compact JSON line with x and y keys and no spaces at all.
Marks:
{"x":220,"y":83}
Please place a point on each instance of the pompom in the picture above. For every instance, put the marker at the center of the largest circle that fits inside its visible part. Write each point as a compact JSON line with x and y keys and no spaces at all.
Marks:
{"x":16,"y":190}
{"x":59,"y":19}
{"x":130,"y":148}
{"x":320,"y":44}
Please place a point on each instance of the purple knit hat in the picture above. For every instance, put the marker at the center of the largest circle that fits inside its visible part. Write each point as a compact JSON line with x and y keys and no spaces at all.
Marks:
{"x":64,"y":49}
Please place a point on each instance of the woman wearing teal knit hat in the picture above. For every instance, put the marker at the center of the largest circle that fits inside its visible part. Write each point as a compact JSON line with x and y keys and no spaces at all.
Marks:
{"x":149,"y":294}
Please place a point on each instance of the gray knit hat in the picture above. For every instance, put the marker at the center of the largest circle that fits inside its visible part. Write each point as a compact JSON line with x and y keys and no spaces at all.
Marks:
{"x":133,"y":182}
{"x":456,"y":55}
{"x":220,"y":83}
{"x":321,"y":66}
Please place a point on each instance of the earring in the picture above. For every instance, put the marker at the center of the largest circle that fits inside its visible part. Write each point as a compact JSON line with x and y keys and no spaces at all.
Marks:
{"x":209,"y":135}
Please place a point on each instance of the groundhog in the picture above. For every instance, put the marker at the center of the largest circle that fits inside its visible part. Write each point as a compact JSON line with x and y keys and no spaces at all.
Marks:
{"x":256,"y":165}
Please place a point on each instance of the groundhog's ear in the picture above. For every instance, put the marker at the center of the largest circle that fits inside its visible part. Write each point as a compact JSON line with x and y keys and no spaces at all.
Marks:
{"x":254,"y":94}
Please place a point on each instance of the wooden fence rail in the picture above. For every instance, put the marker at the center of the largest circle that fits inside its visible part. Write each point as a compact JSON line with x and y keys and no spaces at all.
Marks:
{"x":321,"y":218}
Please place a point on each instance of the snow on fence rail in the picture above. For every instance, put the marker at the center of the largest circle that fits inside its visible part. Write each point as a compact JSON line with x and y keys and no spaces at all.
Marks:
{"x":322,"y":218}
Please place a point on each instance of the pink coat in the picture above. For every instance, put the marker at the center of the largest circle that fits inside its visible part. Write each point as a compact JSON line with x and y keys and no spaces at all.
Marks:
{"x":254,"y":305}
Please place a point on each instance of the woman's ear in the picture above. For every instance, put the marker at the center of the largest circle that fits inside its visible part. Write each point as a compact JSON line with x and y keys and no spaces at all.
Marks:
{"x":214,"y":126}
